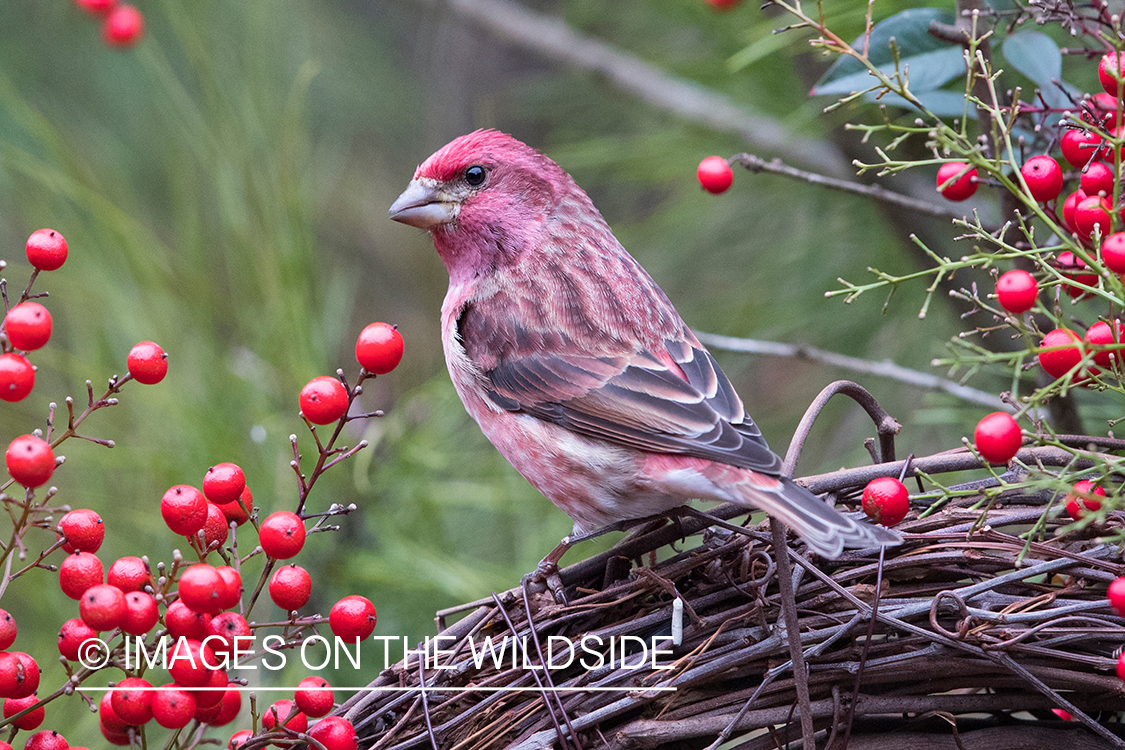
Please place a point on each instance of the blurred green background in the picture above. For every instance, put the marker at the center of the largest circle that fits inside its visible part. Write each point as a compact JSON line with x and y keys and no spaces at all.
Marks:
{"x":223,"y":188}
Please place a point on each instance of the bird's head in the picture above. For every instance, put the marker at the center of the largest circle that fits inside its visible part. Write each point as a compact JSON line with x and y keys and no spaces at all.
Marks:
{"x":484,"y":197}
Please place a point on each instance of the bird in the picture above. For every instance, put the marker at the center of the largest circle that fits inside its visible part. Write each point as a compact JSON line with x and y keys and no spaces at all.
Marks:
{"x":576,"y":365}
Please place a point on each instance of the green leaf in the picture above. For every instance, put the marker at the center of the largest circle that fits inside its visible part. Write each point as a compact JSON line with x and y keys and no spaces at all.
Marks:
{"x":932,"y":62}
{"x":1036,"y":55}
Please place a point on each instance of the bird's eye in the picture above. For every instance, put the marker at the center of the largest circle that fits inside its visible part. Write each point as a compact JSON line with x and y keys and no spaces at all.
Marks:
{"x":474,"y":175}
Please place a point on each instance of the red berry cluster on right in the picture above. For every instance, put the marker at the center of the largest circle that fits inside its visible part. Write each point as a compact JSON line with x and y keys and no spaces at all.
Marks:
{"x":122,"y":25}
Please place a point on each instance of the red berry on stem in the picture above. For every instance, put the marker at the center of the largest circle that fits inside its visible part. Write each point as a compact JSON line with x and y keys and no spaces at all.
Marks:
{"x":184,"y":509}
{"x":237,"y":511}
{"x":230,"y":707}
{"x":19,"y":675}
{"x":83,"y":530}
{"x":46,"y":249}
{"x":211,"y":694}
{"x":72,"y":635}
{"x":1017,"y":291}
{"x":962,"y":187}
{"x":1078,"y":146}
{"x":284,"y":713}
{"x":141,"y":613}
{"x":230,"y":631}
{"x":1044,"y":178}
{"x":102,"y":607}
{"x":323,"y":400}
{"x":30,"y":460}
{"x":1110,"y":72}
{"x":1101,"y":110}
{"x":886,"y":500}
{"x":998,"y":437}
{"x":1072,"y":266}
{"x":230,"y":593}
{"x":8,"y":629}
{"x":1100,"y":334}
{"x":714,"y":174}
{"x":28,"y":326}
{"x":191,"y":663}
{"x":379,"y":348}
{"x":78,"y":573}
{"x":17,"y":377}
{"x":314,"y":696}
{"x":199,"y":589}
{"x":352,"y":617}
{"x":1116,"y":595}
{"x":1091,"y":214}
{"x":282,"y":535}
{"x":1097,"y":179}
{"x":128,"y":574}
{"x":123,"y":27}
{"x":1078,"y":502}
{"x":215,"y":529}
{"x":1065,"y":354}
{"x":224,"y":483}
{"x":1113,"y":252}
{"x":335,"y":733}
{"x":97,"y":7}
{"x":1068,"y":207}
{"x":131,"y":702}
{"x":239,"y":738}
{"x":147,"y":363}
{"x":184,"y":623}
{"x":48,"y":739}
{"x":28,"y":721}
{"x":719,"y":5}
{"x":290,"y":587}
{"x":172,"y":706}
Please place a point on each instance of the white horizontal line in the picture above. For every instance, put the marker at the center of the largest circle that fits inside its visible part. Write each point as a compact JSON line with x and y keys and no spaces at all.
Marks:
{"x":397,"y":689}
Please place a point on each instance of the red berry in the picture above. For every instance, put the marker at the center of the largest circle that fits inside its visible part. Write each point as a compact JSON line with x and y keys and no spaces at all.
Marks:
{"x":224,"y":483}
{"x":1090,"y":214}
{"x":123,"y":27}
{"x":172,"y":706}
{"x":115,"y":737}
{"x":102,"y":607}
{"x":1097,"y":179}
{"x":183,"y":623}
{"x":230,"y":593}
{"x":28,"y":326}
{"x":17,"y":377}
{"x":30,"y":460}
{"x":1121,"y":666}
{"x":1100,"y":334}
{"x":1044,"y":178}
{"x":128,"y":574}
{"x":78,"y":573}
{"x":998,"y":437}
{"x":46,"y":249}
{"x":147,"y":363}
{"x":19,"y":675}
{"x":1101,"y":110}
{"x":1065,"y":355}
{"x":211,"y":694}
{"x":48,"y":739}
{"x":1068,"y":207}
{"x":229,"y":631}
{"x":282,"y":534}
{"x":886,"y":500}
{"x":379,"y":348}
{"x":290,"y":588}
{"x":230,"y":706}
{"x":191,"y":663}
{"x":97,"y":7}
{"x":141,"y":613}
{"x":1077,"y":505}
{"x":1078,"y":146}
{"x":1116,"y":595}
{"x":8,"y":629}
{"x":335,"y":733}
{"x":1113,"y":252}
{"x":719,"y":5}
{"x":314,"y":696}
{"x":184,"y":509}
{"x":237,"y":511}
{"x":352,"y":617}
{"x":72,"y":635}
{"x":239,"y":738}
{"x":83,"y":530}
{"x":132,"y":705}
{"x":1110,"y":73}
{"x":215,"y":529}
{"x":1072,"y":266}
{"x":199,"y":589}
{"x":714,"y":174}
{"x":324,"y":400}
{"x":28,"y":721}
{"x":284,"y":712}
{"x":1017,"y":291}
{"x":962,"y":187}
{"x":108,"y":718}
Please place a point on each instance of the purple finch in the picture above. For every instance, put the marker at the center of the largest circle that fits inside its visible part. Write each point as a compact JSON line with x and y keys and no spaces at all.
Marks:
{"x":575,"y":364}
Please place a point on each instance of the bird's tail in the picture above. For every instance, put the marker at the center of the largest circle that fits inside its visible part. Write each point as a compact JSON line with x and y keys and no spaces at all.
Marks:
{"x":826,"y":530}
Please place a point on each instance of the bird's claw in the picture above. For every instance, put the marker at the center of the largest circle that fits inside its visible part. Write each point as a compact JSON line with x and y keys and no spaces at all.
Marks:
{"x":546,"y":575}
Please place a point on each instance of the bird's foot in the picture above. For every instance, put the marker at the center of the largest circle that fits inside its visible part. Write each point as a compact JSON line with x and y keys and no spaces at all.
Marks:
{"x":547,"y":572}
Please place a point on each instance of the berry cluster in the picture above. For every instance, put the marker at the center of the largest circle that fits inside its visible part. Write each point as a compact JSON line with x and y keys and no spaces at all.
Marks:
{"x":122,"y":25}
{"x":200,"y":604}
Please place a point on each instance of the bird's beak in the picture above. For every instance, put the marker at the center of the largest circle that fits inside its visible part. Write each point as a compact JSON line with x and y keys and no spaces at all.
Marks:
{"x":424,"y":205}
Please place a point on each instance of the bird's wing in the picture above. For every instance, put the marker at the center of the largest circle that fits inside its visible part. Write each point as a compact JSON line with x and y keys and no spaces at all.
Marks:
{"x":667,"y":399}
